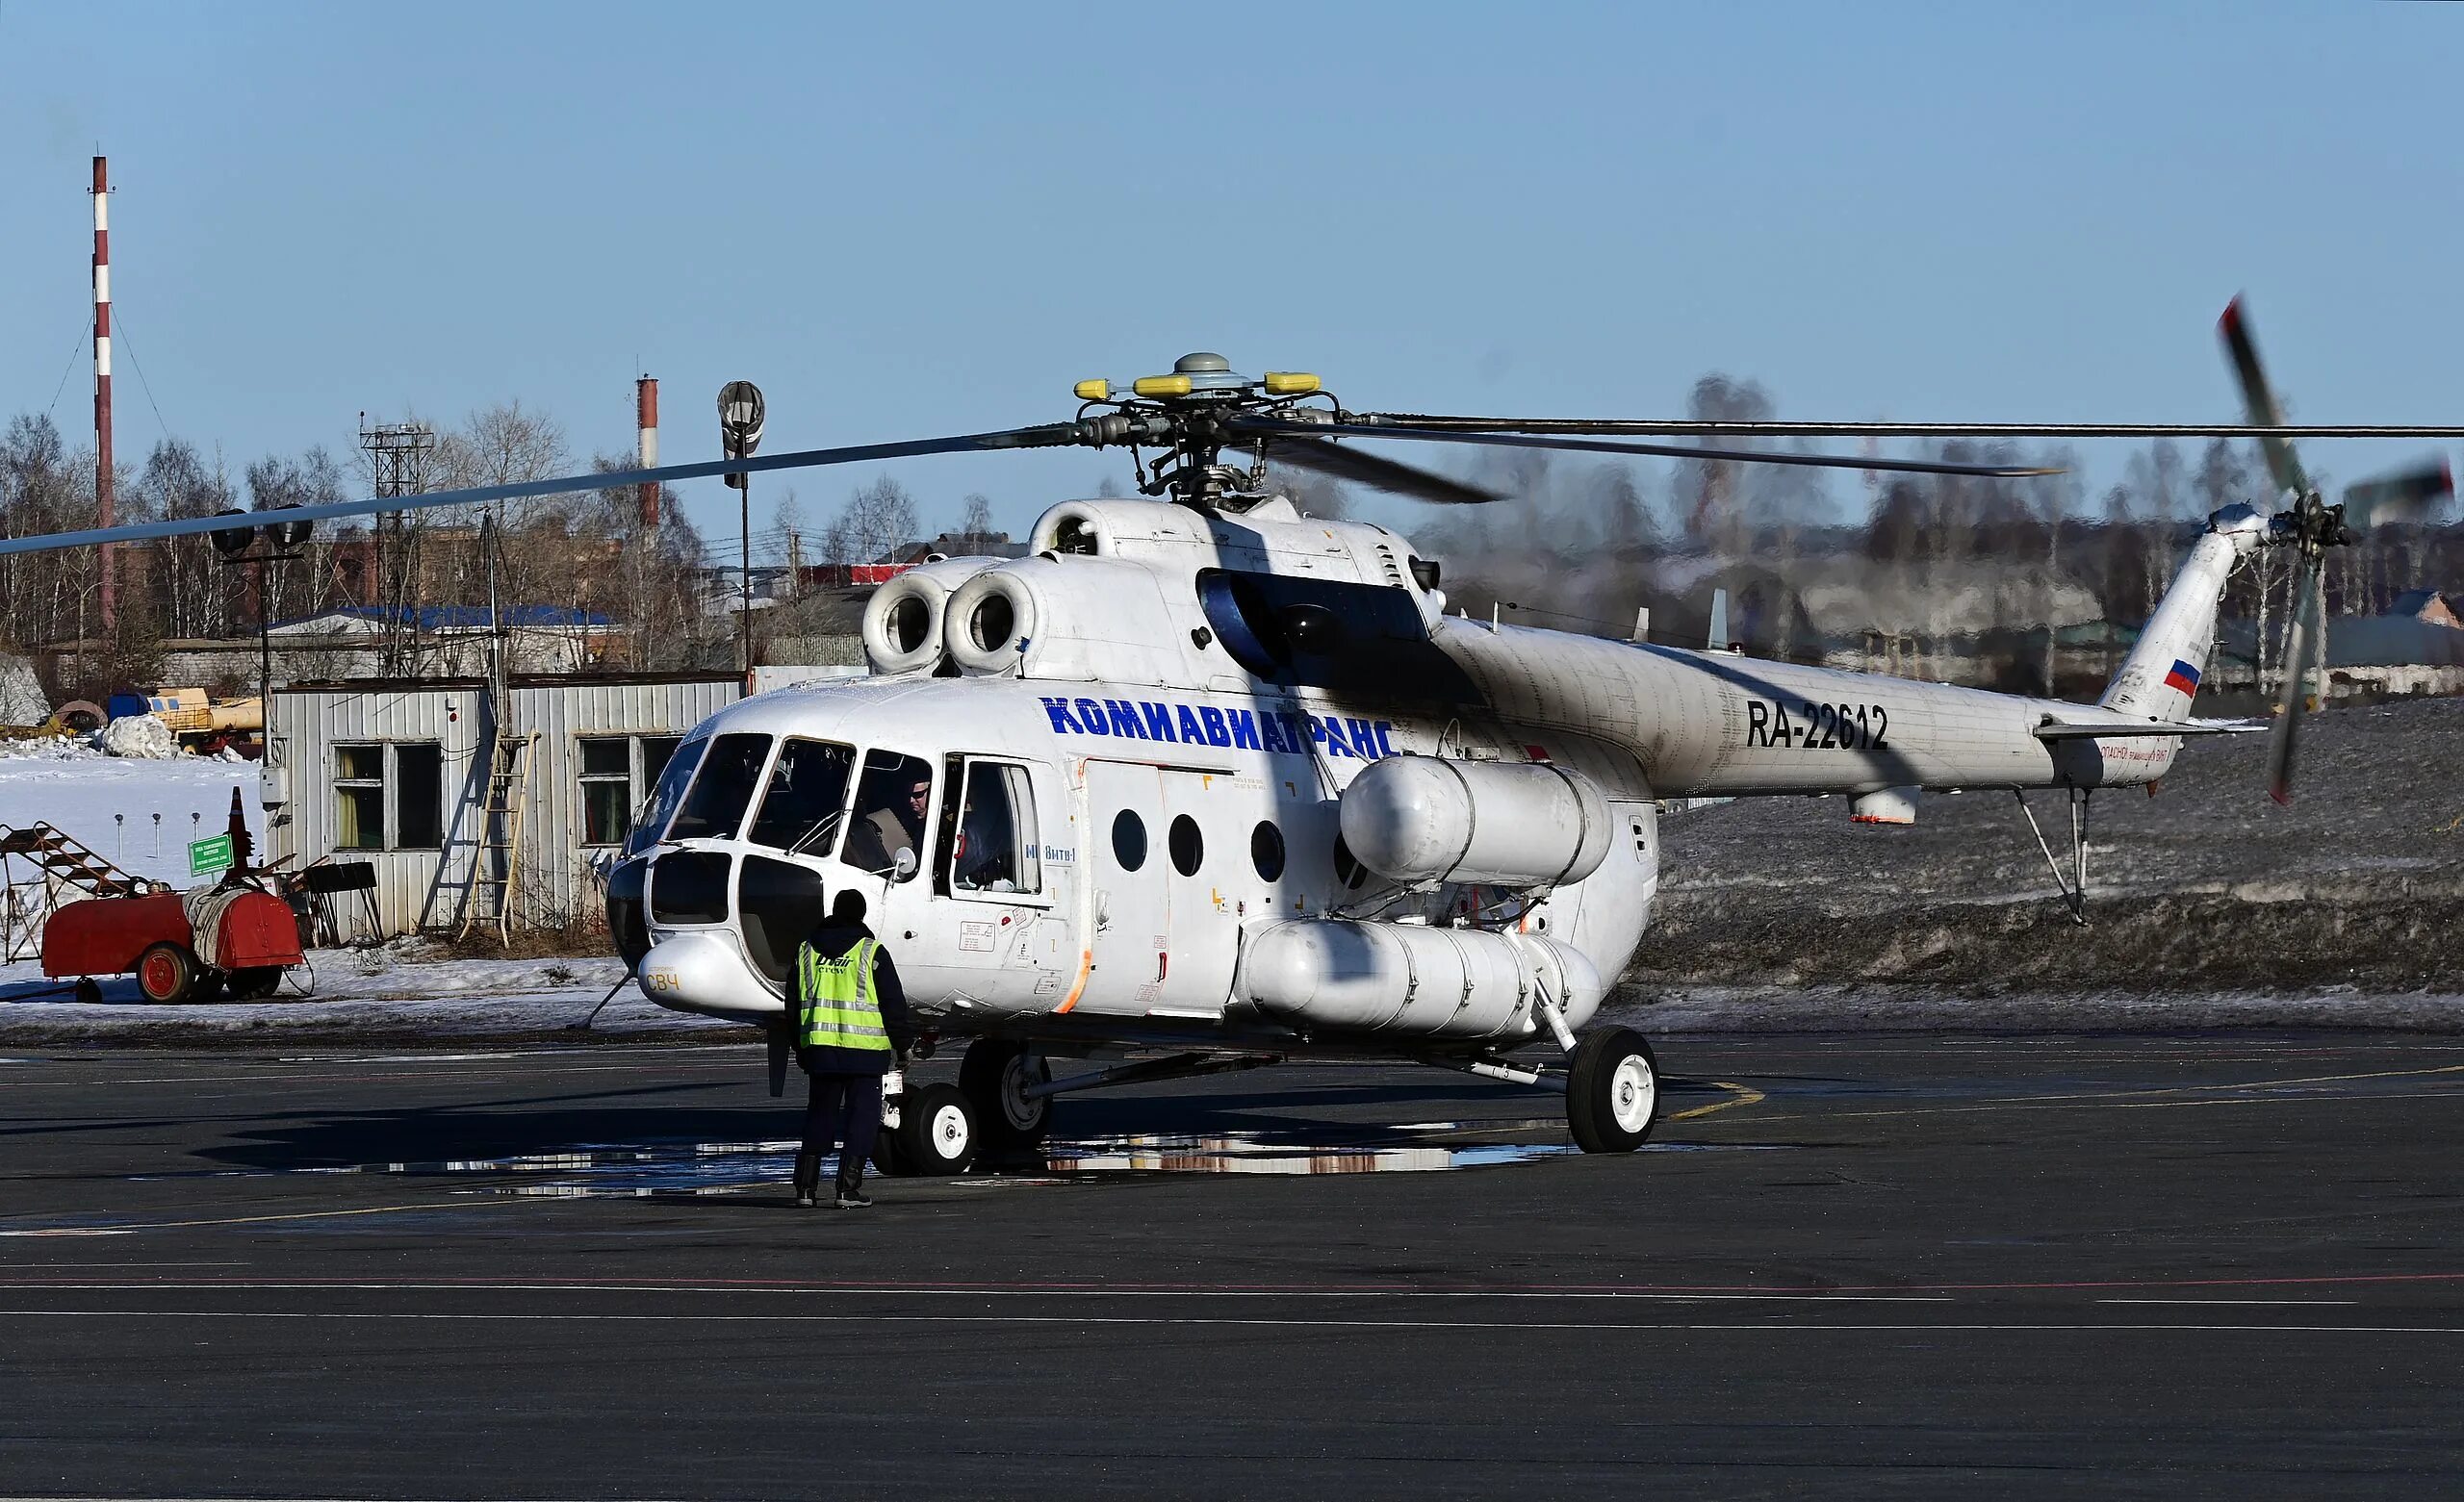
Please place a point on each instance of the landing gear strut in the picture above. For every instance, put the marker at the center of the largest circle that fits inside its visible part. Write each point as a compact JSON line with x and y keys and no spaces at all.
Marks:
{"x":2074,"y":882}
{"x":1611,"y":1082}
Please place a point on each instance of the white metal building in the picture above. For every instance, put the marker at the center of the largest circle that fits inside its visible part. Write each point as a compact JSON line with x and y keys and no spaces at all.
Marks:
{"x":395,"y":772}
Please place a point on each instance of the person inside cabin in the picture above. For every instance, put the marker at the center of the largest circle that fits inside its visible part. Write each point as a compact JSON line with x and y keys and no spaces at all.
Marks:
{"x":893,"y":825}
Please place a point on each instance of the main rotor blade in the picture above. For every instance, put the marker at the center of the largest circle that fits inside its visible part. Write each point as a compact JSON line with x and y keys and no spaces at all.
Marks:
{"x":1367,"y":469}
{"x":1049,"y":435}
{"x":2260,"y":401}
{"x":2308,"y":598}
{"x":1271,"y":426}
{"x":2399,"y":497}
{"x":1688,"y":428}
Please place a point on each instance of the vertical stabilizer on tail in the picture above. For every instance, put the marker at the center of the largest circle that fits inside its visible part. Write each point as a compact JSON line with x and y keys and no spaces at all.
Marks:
{"x":2163,"y":672}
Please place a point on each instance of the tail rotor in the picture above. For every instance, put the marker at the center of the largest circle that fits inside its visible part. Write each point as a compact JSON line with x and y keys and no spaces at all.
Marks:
{"x":2310,"y":526}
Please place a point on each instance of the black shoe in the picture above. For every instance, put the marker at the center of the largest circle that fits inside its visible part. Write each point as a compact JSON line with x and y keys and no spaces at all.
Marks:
{"x":807,"y":1199}
{"x":850,"y":1199}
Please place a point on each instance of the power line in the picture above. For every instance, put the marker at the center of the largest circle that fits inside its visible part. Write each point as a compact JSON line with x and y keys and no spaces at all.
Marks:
{"x":66,"y":371}
{"x":120,"y":323}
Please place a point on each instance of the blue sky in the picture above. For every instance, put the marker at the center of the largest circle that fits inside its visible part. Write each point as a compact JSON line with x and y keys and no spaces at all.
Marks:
{"x":909,"y":220}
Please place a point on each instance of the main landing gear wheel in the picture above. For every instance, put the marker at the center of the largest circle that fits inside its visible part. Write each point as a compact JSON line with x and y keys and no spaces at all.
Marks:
{"x":1612,"y":1091}
{"x":936,"y":1132}
{"x":165,"y":974}
{"x":994,"y":1077}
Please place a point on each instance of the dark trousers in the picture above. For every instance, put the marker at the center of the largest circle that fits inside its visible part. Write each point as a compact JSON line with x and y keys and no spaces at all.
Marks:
{"x":844,"y":1108}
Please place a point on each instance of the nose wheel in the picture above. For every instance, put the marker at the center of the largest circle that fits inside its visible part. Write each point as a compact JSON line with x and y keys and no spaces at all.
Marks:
{"x":937,"y":1134}
{"x":1612,"y":1091}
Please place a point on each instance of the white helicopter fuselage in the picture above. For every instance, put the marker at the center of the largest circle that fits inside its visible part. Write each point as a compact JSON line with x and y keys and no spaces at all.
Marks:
{"x":1099,"y":795}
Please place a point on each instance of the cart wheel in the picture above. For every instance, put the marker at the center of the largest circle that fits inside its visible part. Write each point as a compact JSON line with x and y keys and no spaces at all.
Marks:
{"x":165,"y":974}
{"x":253,"y":982}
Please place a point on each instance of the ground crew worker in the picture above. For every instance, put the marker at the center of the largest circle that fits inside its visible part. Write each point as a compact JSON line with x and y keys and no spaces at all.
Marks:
{"x":850,"y":1024}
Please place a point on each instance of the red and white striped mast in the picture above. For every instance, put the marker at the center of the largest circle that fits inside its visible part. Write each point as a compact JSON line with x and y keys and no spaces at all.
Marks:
{"x":103,"y":379}
{"x":646,"y":415}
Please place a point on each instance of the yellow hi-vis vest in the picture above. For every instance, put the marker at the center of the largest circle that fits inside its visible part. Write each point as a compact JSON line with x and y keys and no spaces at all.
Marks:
{"x":834,"y":1005}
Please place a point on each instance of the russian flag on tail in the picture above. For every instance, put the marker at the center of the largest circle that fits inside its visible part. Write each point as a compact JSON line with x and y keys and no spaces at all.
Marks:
{"x":2184,"y":676}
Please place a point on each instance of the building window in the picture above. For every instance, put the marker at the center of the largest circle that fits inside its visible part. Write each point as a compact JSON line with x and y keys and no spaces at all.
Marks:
{"x":606,"y":789}
{"x":419,"y":796}
{"x":657,"y":750}
{"x":616,"y":773}
{"x":359,"y":798}
{"x":413,"y":772}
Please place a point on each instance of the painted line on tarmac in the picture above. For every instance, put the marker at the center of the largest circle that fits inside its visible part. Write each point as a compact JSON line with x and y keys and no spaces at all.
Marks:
{"x":173,"y":1286}
{"x":919,"y":1288}
{"x":2220,"y":1303}
{"x":1746,"y":1095}
{"x":255,"y":1073}
{"x":2089,"y":1100}
{"x":134,"y":1227}
{"x":1262,"y":1322}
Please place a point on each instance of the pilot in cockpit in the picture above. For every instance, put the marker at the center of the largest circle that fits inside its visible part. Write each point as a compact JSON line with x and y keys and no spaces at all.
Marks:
{"x":892,"y":827}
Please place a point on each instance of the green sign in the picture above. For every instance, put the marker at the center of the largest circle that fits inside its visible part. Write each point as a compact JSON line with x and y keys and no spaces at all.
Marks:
{"x":214,"y":855}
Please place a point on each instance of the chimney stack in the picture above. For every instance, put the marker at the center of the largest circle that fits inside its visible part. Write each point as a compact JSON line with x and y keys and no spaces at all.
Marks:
{"x":646,"y":405}
{"x":103,"y":381}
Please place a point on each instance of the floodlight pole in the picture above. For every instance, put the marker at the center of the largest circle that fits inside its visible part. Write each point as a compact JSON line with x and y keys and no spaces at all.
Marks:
{"x":744,"y":534}
{"x":741,"y":420}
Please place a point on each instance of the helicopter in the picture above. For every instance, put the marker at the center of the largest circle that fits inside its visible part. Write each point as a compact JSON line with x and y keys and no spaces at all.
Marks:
{"x":1203,"y":783}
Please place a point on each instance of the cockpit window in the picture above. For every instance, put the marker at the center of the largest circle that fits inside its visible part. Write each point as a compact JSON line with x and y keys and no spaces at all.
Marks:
{"x":995,"y":849}
{"x":669,"y":793}
{"x":731,"y":772}
{"x":807,"y":799}
{"x":891,"y":801}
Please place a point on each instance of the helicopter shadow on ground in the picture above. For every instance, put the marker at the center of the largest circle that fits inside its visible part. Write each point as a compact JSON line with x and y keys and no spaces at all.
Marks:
{"x":293,"y":1141}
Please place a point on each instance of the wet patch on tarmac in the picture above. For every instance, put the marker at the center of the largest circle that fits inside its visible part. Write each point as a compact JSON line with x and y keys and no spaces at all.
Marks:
{"x":695,"y":1170}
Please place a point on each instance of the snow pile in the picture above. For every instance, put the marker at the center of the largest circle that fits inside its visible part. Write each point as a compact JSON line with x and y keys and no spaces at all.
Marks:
{"x":139,"y":815}
{"x":22,"y":701}
{"x":139,"y":737}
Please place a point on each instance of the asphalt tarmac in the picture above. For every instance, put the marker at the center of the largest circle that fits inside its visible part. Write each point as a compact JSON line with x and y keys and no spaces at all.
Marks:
{"x":2219,"y":1265}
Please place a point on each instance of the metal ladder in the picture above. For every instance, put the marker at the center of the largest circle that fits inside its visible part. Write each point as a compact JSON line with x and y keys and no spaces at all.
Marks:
{"x":496,"y":858}
{"x":58,"y":861}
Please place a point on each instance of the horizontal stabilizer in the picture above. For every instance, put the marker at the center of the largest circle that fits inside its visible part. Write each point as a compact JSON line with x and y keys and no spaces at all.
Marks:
{"x":2123,"y":729}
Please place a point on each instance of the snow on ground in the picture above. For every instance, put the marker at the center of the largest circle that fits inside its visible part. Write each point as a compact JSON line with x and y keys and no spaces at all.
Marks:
{"x":78,"y":790}
{"x":396,"y":994}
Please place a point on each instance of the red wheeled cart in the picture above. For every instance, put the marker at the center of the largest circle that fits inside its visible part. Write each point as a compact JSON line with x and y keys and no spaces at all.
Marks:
{"x":256,"y":938}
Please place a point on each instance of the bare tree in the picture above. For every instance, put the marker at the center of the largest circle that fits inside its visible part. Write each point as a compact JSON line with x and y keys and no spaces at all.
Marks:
{"x":975,"y":516}
{"x":878,"y":517}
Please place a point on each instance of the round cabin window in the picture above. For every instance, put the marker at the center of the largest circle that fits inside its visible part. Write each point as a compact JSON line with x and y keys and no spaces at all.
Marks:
{"x":1189,"y":847}
{"x":1266,"y":849}
{"x":1129,"y":840}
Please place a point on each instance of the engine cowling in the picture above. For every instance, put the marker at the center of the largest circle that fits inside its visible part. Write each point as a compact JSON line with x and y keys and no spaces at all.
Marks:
{"x":1424,"y":819}
{"x":903,"y":621}
{"x":1400,"y":978}
{"x":1066,"y":618}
